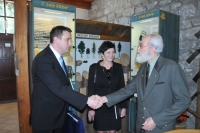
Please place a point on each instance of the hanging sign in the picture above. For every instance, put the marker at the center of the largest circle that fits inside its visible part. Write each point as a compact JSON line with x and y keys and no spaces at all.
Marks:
{"x":87,"y":36}
{"x":53,"y":6}
{"x":145,"y":16}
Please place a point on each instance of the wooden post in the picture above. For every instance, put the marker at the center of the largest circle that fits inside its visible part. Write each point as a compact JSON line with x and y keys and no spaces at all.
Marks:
{"x":197,"y":125}
{"x":23,"y":93}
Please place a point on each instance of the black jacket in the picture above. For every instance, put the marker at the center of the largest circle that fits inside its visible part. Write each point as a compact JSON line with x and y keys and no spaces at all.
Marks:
{"x":102,"y":86}
{"x":51,"y":92}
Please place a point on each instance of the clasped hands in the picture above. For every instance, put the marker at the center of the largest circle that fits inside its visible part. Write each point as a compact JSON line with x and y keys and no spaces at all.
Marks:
{"x":96,"y":101}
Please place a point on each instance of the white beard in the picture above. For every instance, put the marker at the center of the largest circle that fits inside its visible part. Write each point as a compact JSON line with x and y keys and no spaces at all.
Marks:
{"x":143,"y":58}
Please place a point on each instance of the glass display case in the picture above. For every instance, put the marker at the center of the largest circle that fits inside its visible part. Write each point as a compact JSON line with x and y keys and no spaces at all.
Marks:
{"x":159,"y":22}
{"x":42,"y":18}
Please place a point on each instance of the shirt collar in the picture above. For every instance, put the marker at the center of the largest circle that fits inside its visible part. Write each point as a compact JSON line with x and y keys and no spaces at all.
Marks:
{"x":55,"y":52}
{"x":153,"y":62}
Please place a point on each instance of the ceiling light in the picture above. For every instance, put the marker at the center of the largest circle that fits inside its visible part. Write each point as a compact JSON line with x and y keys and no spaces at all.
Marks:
{"x":44,"y":19}
{"x":52,"y":11}
{"x":148,"y":20}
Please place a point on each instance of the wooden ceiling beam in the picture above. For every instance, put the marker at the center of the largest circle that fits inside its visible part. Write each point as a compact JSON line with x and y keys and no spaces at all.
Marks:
{"x":123,"y":33}
{"x":106,"y":37}
{"x":107,"y":29}
{"x":81,"y":21}
{"x":86,"y":4}
{"x":89,"y":0}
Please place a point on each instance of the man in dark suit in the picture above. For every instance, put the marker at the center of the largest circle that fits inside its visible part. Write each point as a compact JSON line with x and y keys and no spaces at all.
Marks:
{"x":52,"y":91}
{"x":164,"y":97}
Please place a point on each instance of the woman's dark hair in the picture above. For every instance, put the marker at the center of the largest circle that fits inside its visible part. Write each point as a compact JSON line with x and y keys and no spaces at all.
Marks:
{"x":105,"y":46}
{"x":57,"y":31}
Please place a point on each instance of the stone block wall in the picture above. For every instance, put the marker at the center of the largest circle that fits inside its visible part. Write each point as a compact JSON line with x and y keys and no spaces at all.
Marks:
{"x":120,"y":11}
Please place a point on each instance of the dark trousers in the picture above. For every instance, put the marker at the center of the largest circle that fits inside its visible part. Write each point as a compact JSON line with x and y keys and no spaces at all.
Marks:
{"x":59,"y":130}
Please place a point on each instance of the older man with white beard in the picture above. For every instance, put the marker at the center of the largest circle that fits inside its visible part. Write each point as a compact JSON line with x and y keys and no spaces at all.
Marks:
{"x":164,"y":97}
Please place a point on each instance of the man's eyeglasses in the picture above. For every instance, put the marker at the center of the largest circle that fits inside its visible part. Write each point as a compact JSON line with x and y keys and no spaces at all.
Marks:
{"x":142,"y":46}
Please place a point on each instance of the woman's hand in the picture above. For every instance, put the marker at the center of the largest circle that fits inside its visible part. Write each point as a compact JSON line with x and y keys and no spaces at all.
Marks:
{"x":123,"y":112}
{"x":91,"y":114}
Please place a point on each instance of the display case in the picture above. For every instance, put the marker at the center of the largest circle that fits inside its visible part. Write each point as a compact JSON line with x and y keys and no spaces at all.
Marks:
{"x":160,"y":22}
{"x":42,"y":18}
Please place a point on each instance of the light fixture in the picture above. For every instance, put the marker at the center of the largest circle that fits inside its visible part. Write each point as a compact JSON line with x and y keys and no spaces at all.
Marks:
{"x":148,"y":20}
{"x":52,"y":11}
{"x":44,"y":19}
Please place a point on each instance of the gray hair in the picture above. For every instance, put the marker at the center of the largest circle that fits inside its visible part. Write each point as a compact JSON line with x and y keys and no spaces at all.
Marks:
{"x":156,"y":41}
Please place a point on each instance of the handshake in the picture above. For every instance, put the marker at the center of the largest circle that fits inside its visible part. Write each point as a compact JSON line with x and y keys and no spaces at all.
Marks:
{"x":96,"y":101}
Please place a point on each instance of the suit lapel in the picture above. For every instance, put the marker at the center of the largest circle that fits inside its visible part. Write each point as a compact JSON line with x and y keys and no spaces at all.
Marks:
{"x":141,"y":81}
{"x":153,"y":77}
{"x":151,"y":82}
{"x":54,"y":59}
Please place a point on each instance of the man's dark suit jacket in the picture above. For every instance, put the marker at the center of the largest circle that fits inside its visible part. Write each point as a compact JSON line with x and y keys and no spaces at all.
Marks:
{"x":164,"y":97}
{"x":52,"y":93}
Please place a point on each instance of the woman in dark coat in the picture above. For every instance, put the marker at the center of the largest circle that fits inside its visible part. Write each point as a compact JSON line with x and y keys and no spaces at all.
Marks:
{"x":106,"y":77}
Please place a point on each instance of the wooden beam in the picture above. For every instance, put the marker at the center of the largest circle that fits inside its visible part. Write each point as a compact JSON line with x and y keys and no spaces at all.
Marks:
{"x":81,"y":21}
{"x":123,"y":33}
{"x":78,"y":3}
{"x":115,"y":38}
{"x":107,"y":29}
{"x":89,"y":0}
{"x":197,"y":125}
{"x":23,"y":94}
{"x":193,"y":112}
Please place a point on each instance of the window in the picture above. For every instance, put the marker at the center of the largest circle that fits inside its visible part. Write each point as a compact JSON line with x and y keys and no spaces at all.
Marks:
{"x":6,"y":17}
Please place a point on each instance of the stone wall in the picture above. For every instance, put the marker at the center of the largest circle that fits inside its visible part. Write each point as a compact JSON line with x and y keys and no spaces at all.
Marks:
{"x":120,"y":11}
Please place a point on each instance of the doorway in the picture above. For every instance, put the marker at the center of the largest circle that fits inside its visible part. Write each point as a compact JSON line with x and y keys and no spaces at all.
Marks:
{"x":7,"y":69}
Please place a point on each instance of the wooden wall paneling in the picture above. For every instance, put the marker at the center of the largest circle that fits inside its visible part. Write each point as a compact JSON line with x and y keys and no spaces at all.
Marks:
{"x":6,"y":91}
{"x":23,"y":91}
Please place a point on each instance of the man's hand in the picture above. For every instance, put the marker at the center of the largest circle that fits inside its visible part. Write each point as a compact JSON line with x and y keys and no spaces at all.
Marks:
{"x":91,"y":114}
{"x":149,"y":124}
{"x":94,"y":102}
{"x":104,"y":99}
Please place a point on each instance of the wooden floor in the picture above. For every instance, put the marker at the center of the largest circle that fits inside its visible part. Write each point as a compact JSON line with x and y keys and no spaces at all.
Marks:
{"x":9,"y":118}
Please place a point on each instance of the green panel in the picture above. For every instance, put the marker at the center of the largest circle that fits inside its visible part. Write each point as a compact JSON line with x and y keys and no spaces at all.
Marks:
{"x":169,"y":30}
{"x":145,"y":16}
{"x":54,"y":6}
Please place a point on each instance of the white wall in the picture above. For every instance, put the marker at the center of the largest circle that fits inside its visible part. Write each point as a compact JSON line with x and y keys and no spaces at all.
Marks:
{"x":82,"y":14}
{"x":94,"y":58}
